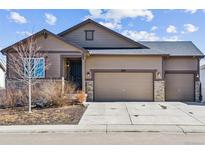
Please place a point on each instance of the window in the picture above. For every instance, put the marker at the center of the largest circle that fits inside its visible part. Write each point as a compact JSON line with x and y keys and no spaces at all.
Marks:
{"x":89,"y":35}
{"x":37,"y":67}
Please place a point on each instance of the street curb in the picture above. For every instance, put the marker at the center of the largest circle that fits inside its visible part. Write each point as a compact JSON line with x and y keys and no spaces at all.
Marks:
{"x":102,"y":128}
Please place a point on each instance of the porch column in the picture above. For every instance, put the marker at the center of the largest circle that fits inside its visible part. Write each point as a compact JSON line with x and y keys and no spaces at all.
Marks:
{"x":83,"y":71}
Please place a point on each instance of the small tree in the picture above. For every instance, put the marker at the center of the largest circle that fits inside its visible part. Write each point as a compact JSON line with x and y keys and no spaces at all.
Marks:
{"x":28,"y":64}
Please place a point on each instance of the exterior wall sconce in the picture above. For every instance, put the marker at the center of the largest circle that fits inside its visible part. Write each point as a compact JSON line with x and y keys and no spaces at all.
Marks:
{"x":88,"y":74}
{"x":158,"y":75}
{"x":197,"y":75}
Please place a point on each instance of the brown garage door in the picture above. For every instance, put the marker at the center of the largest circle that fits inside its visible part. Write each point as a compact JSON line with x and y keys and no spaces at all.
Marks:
{"x":123,"y":87}
{"x":179,"y":87}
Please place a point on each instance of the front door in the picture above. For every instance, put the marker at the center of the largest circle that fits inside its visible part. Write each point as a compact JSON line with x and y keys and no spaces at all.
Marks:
{"x":76,"y":73}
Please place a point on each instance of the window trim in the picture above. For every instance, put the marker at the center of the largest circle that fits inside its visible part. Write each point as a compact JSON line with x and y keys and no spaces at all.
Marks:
{"x":44,"y":73}
{"x":87,"y":39}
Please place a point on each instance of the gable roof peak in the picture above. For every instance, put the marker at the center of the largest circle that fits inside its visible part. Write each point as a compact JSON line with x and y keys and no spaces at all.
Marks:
{"x":102,"y":27}
{"x":43,"y":31}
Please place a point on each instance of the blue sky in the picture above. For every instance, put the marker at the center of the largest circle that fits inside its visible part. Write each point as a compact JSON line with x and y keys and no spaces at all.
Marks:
{"x":152,"y":25}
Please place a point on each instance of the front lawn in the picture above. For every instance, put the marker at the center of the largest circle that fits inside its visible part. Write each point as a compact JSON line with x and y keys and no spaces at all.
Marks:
{"x":53,"y":116}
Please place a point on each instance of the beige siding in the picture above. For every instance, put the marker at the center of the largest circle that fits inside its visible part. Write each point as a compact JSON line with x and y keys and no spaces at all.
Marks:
{"x":102,"y":38}
{"x":123,"y":62}
{"x":123,"y":86}
{"x":55,"y":64}
{"x":181,"y":63}
{"x":53,"y":44}
{"x":53,"y":49}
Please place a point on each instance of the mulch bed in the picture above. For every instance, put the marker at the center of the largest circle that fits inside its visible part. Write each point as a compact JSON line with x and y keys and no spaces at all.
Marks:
{"x":53,"y":116}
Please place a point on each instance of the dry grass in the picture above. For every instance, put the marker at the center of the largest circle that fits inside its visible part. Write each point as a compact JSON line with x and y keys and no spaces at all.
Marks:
{"x":60,"y":115}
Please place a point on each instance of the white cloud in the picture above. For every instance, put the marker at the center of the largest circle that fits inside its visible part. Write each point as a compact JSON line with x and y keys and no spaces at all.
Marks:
{"x":118,"y":14}
{"x":191,"y":11}
{"x":190,"y":28}
{"x":24,"y":33}
{"x":16,"y":17}
{"x":141,"y":35}
{"x":111,"y":25}
{"x":50,"y":19}
{"x":171,"y":29}
{"x":171,"y":38}
{"x":154,"y":28}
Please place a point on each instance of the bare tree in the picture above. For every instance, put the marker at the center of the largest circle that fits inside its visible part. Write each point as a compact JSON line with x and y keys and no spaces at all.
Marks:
{"x":28,"y":64}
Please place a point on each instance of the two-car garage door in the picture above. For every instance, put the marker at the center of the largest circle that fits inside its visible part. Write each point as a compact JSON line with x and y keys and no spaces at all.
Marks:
{"x":123,"y":86}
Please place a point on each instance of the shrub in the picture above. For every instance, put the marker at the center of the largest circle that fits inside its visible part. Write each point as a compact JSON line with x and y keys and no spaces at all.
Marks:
{"x":13,"y":98}
{"x":81,"y":97}
{"x":52,"y":92}
{"x":47,"y":93}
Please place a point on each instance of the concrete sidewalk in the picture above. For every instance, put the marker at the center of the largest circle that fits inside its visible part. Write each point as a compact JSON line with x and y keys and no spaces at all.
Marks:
{"x":102,"y":128}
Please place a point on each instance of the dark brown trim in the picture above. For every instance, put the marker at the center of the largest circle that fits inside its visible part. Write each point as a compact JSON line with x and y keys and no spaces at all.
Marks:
{"x":60,"y":51}
{"x":198,"y":68}
{"x":92,"y":32}
{"x":105,"y":48}
{"x":7,"y":66}
{"x":53,"y":51}
{"x":181,"y":72}
{"x":186,"y":56}
{"x":93,"y":71}
{"x":126,"y":54}
{"x":103,"y":27}
{"x":163,"y":67}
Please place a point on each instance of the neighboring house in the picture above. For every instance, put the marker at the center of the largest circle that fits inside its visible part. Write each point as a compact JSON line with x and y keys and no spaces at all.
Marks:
{"x":202,"y":78}
{"x":112,"y":67}
{"x":2,"y":76}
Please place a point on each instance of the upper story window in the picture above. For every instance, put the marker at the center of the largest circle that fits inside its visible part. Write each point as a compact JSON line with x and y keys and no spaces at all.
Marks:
{"x":89,"y":35}
{"x":36,"y":68}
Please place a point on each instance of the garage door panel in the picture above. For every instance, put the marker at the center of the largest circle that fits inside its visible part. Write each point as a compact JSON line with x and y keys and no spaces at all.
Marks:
{"x":179,"y":87}
{"x":123,"y":86}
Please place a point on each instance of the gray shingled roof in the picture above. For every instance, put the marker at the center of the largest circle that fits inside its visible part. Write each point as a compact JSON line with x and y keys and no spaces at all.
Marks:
{"x":178,"y":48}
{"x":174,"y":48}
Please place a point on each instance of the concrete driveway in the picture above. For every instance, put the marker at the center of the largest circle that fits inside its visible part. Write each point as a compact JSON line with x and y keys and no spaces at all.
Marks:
{"x":144,"y":113}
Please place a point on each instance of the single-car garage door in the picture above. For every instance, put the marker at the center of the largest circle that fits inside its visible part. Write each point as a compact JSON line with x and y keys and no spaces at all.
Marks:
{"x":179,"y":87}
{"x":123,"y":86}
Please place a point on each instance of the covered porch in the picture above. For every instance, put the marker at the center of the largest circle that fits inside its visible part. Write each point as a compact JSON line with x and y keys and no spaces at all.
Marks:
{"x":72,"y":69}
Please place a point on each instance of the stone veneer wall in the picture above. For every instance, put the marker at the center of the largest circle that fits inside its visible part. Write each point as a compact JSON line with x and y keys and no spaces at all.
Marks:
{"x":89,"y":90}
{"x":197,"y":91}
{"x":159,"y":90}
